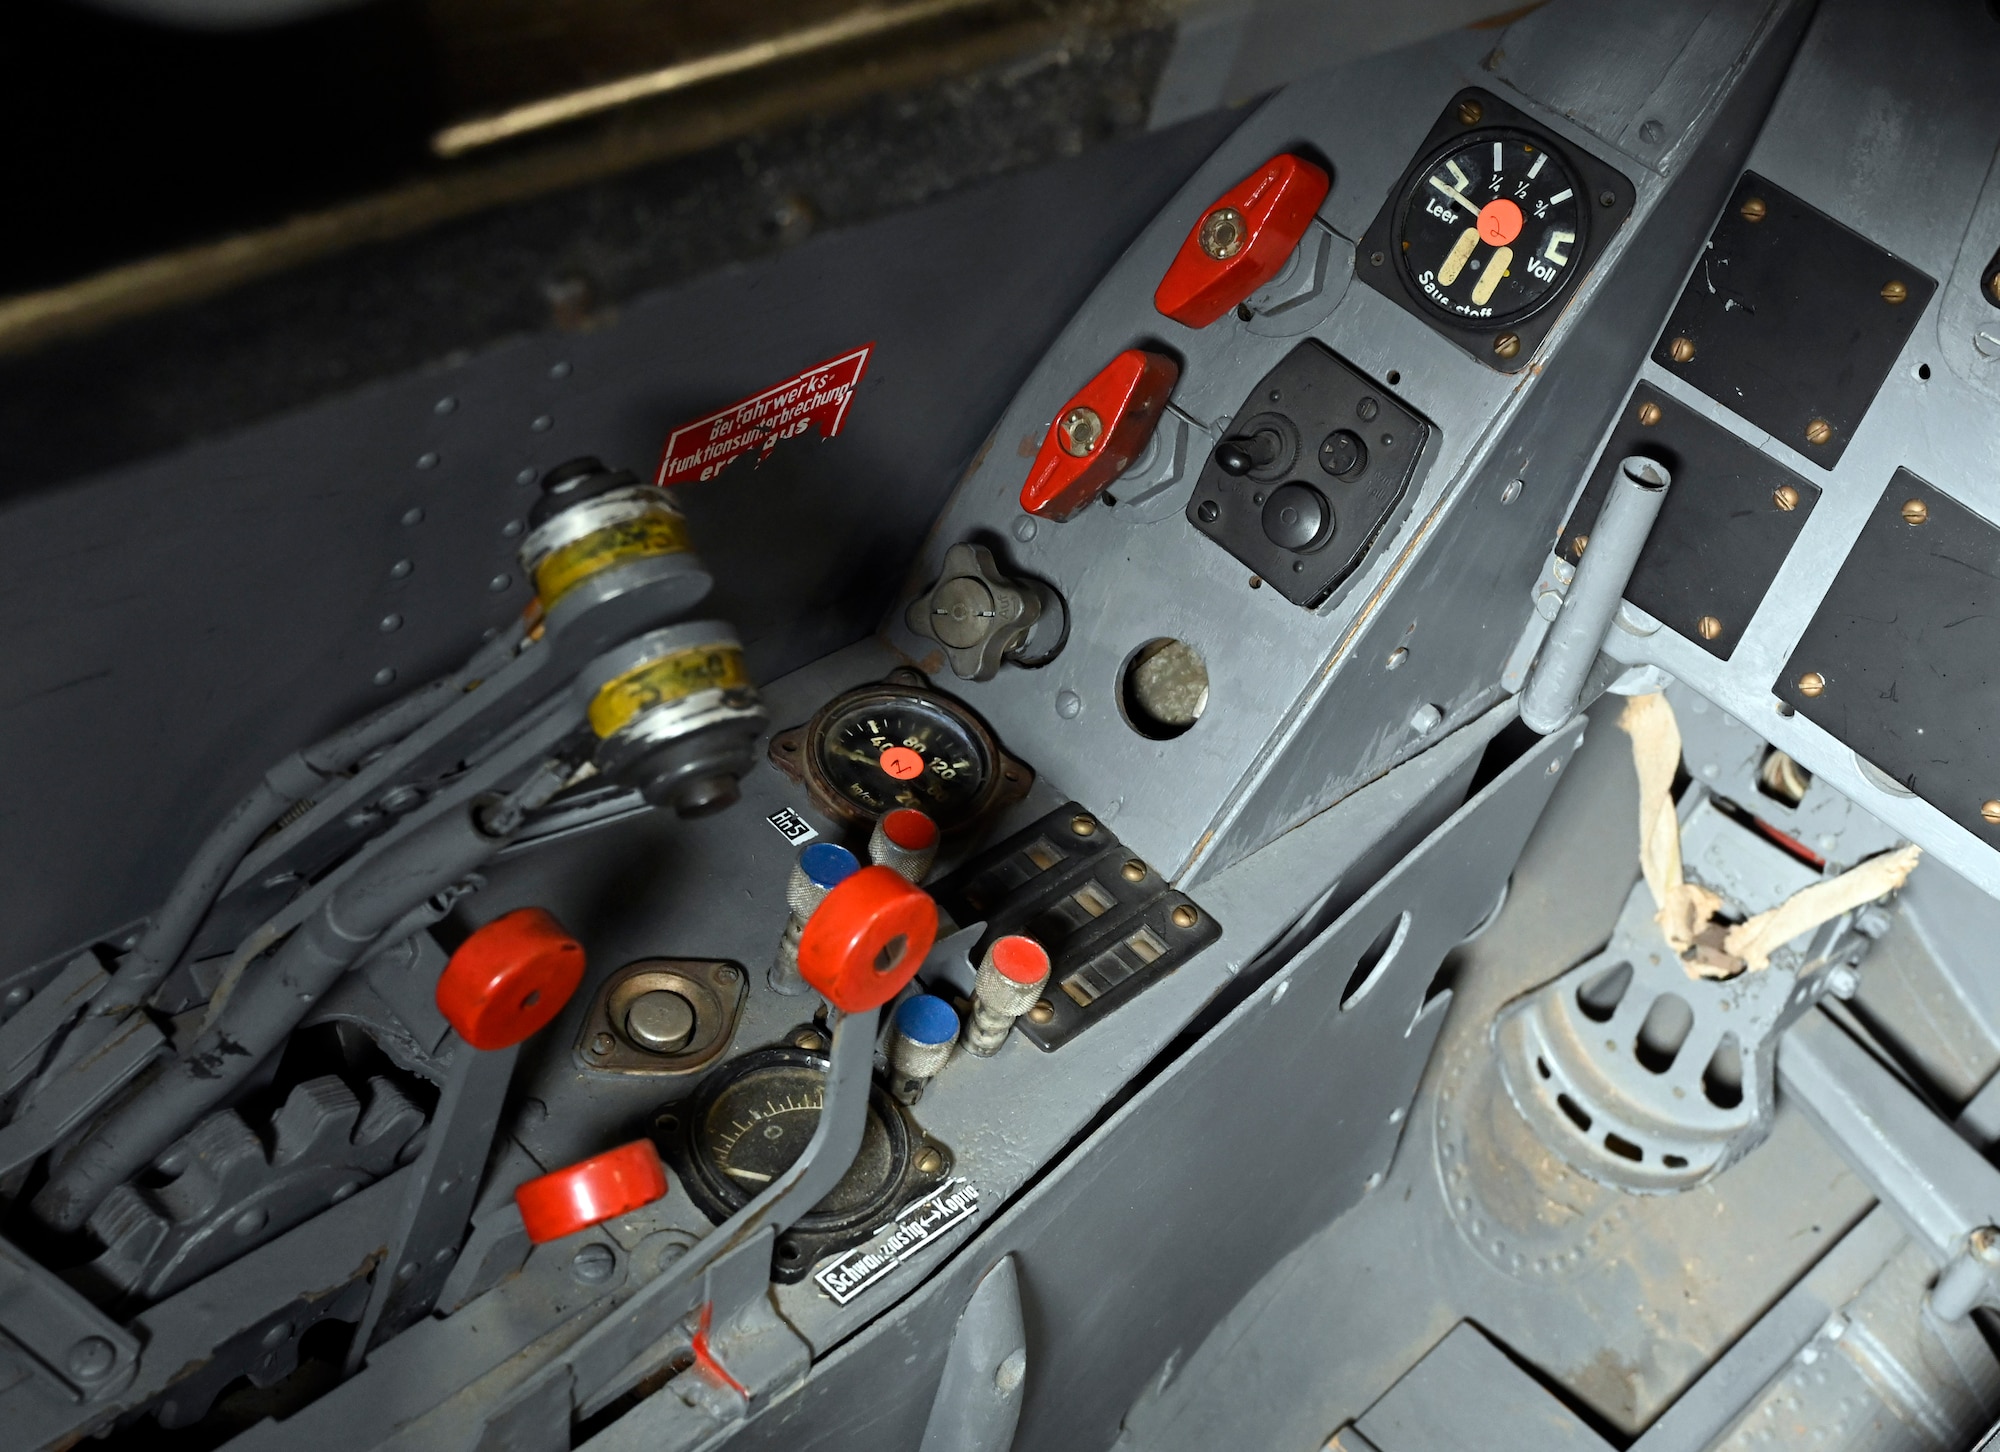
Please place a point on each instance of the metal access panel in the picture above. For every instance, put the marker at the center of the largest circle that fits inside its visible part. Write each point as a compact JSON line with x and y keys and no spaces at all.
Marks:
{"x":1898,"y":661}
{"x":1730,"y":519}
{"x":1792,"y":319}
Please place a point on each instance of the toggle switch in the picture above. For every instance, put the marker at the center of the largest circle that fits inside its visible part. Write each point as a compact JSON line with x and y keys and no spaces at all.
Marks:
{"x":1098,"y":433}
{"x":821,"y":867}
{"x":1242,"y":241}
{"x":904,"y":841}
{"x":926,"y":1029}
{"x":1010,"y":981}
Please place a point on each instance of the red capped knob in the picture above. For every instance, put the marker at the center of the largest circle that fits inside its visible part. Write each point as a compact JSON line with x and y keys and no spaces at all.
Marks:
{"x":1099,"y":432}
{"x":592,"y":1190}
{"x":866,"y":939}
{"x":1242,"y":240}
{"x":509,"y":979}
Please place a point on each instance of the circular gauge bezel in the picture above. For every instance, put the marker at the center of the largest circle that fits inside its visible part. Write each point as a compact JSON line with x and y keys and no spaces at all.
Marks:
{"x":802,"y":752}
{"x":1412,"y":195}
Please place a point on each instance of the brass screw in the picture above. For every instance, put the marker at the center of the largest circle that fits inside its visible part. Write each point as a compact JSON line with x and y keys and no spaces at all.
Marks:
{"x":1894,"y":292}
{"x":1506,"y":345}
{"x":602,"y":1044}
{"x":1785,"y":497}
{"x":1222,"y":233}
{"x":1578,"y":543}
{"x":1752,"y":209}
{"x":1811,"y":683}
{"x":1709,"y":627}
{"x":1993,"y":287}
{"x":1185,"y":916}
{"x":1133,"y":871}
{"x":1991,"y":812}
{"x":1681,"y":350}
{"x":811,"y":1042}
{"x":1915,"y":511}
{"x":1470,"y":111}
{"x":1649,"y":414}
{"x":929,"y":1162}
{"x":1042,"y":1012}
{"x":1818,"y":431}
{"x":1082,"y":825}
{"x":1080,"y":429}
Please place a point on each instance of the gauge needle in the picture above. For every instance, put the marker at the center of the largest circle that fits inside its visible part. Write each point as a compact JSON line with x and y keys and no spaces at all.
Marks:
{"x":1490,"y":278}
{"x":1455,"y":193}
{"x":1455,"y":262}
{"x":747,"y":1175}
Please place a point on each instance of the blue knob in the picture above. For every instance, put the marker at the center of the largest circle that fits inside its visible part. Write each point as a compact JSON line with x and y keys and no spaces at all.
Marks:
{"x":827,"y":864}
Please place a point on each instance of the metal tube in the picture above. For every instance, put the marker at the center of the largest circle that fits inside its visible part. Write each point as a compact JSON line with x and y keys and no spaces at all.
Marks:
{"x":266,"y":1006}
{"x":1572,"y":643}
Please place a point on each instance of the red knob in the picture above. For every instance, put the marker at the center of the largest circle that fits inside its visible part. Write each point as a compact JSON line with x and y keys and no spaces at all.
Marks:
{"x":867,"y":938}
{"x":592,"y":1190}
{"x":910,"y":829}
{"x":509,"y":979}
{"x":1099,"y":432}
{"x":1242,"y":240}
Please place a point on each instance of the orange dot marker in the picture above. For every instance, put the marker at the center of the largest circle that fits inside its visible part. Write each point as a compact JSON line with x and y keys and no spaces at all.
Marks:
{"x":902,"y":763}
{"x":1499,"y":222}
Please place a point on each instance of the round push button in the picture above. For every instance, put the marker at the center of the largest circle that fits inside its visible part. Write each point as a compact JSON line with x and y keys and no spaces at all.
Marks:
{"x":1296,"y":516}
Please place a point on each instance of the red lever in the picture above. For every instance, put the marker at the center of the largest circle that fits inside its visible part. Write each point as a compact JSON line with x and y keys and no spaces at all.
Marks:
{"x":592,"y":1190}
{"x":509,"y":979}
{"x":1242,"y":241}
{"x":867,"y":938}
{"x":1098,"y":433}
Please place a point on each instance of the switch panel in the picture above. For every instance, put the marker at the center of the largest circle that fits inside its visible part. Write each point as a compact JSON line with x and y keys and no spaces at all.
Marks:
{"x":1314,"y":464}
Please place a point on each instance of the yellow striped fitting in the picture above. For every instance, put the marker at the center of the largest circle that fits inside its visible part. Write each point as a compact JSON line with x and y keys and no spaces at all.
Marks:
{"x":664,"y":680}
{"x":656,"y":532}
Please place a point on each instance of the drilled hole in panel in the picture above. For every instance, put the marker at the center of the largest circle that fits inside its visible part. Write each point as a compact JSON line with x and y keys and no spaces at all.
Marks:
{"x":1164,"y":688}
{"x":1575,"y":1111}
{"x":1722,"y":1080}
{"x":1666,"y":1028}
{"x":1600,"y":996}
{"x":1674,"y":1162}
{"x":1369,"y":967}
{"x":1623,"y":1148}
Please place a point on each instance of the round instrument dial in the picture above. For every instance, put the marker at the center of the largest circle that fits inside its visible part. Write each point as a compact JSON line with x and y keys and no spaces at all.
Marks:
{"x":1490,"y":228}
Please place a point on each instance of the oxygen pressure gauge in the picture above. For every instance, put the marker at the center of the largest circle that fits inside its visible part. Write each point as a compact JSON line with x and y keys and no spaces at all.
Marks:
{"x":1492,"y":227}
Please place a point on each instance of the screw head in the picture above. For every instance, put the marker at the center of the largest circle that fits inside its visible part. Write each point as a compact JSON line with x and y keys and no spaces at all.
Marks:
{"x":92,"y":1358}
{"x":811,"y":1041}
{"x":1785,"y":497}
{"x":1915,"y":511}
{"x":1470,"y":112}
{"x":1649,"y":414}
{"x":1222,"y":233}
{"x":1811,"y":683}
{"x":1083,"y":826}
{"x":1752,"y":210}
{"x":1894,"y":291}
{"x":1819,"y":431}
{"x":593,"y":1263}
{"x":1080,"y":430}
{"x":1577,"y":544}
{"x":1043,"y":1012}
{"x":1185,"y":916}
{"x":930,"y":1162}
{"x":1511,"y":492}
{"x":1681,"y":350}
{"x":1506,"y":346}
{"x":1708,"y":627}
{"x":1990,"y":810}
{"x":602,"y":1043}
{"x":1984,"y":1245}
{"x":1133,"y":871}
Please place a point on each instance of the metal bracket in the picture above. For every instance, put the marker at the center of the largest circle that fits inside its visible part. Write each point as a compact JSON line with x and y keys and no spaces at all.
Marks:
{"x":978,"y":1403}
{"x":88,"y":1353}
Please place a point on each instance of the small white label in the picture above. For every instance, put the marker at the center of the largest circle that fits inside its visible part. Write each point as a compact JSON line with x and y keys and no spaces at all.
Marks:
{"x":792,"y":827}
{"x":915,"y":1227}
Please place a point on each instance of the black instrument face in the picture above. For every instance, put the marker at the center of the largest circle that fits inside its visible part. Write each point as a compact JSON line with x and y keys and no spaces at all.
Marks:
{"x":1490,"y":228}
{"x":892,"y":749}
{"x":750,"y":1121}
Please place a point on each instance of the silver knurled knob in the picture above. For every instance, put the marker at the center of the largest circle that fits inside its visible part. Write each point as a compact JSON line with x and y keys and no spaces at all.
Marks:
{"x":821,"y":867}
{"x":1010,"y":981}
{"x":905,"y":841}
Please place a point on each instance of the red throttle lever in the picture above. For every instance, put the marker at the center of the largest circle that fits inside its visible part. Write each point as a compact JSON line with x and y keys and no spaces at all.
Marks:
{"x":1242,"y":240}
{"x":509,"y":979}
{"x":866,"y":939}
{"x":1099,"y":432}
{"x":592,"y":1190}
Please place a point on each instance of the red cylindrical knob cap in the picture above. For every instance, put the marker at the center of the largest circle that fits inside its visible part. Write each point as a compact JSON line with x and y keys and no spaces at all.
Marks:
{"x":867,"y":939}
{"x":910,"y":829}
{"x":509,"y":979}
{"x":592,"y":1190}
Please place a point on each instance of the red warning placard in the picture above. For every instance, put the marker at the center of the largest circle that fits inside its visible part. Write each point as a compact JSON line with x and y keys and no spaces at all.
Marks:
{"x":820,"y":395}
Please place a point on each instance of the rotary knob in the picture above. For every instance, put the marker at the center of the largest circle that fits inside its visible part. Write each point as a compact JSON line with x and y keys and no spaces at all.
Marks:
{"x":981,"y":616}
